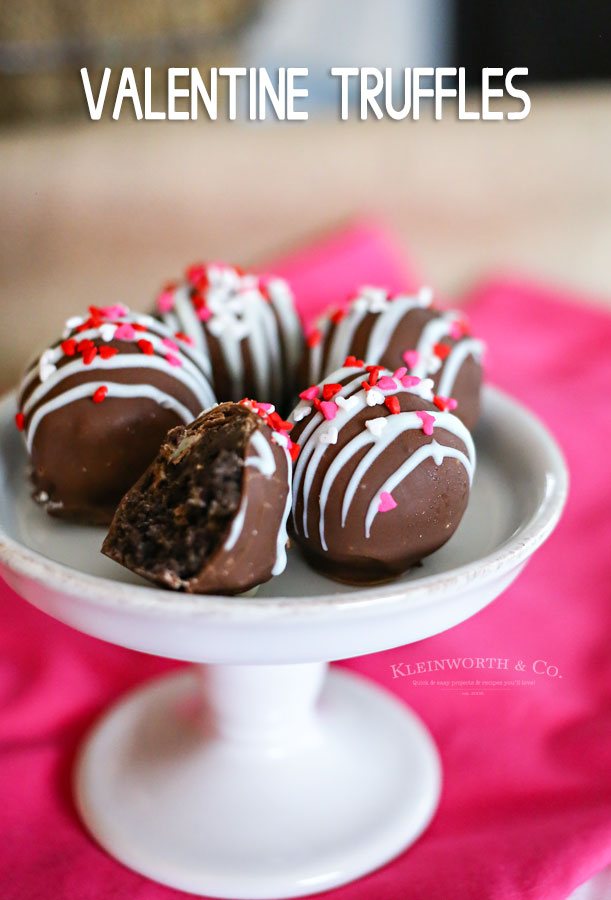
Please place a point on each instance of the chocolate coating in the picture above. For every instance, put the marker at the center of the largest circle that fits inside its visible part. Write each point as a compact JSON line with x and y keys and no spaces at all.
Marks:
{"x":209,"y":515}
{"x":370,"y":501}
{"x":379,"y":329}
{"x":86,"y":454}
{"x":245,"y":327}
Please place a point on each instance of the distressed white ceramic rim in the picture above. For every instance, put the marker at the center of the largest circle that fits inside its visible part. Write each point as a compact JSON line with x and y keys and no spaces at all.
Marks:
{"x":94,"y":590}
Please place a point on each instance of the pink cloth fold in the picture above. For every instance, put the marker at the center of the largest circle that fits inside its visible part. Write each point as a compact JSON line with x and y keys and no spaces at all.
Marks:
{"x":526,"y":806}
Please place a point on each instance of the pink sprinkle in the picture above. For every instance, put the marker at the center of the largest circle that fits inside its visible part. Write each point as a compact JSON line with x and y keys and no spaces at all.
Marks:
{"x":386,"y":502}
{"x":427,"y":421}
{"x":410,"y":381}
{"x":411,"y":357}
{"x":386,"y":383}
{"x":400,"y":373}
{"x":329,"y":409}
{"x":169,"y":343}
{"x":456,"y":330}
{"x":310,"y":393}
{"x":173,"y":360}
{"x":125,"y":332}
{"x":165,"y":301}
{"x":203,"y":313}
{"x":445,"y":403}
{"x":114,"y":312}
{"x":268,"y":407}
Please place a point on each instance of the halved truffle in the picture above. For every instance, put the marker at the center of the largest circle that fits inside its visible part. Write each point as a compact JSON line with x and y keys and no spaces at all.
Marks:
{"x":209,"y":515}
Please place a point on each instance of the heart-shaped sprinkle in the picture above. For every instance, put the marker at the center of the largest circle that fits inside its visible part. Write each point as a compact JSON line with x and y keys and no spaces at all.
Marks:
{"x":330,"y":390}
{"x":165,"y":301}
{"x":400,"y":373}
{"x":442,"y":350}
{"x":69,"y":347}
{"x":146,"y":347}
{"x":314,"y":338}
{"x":410,"y":381}
{"x":20,"y":421}
{"x":107,"y":352}
{"x":170,"y":344}
{"x":114,"y":312}
{"x":412,"y":358}
{"x":445,"y":403}
{"x":329,"y":436}
{"x":294,"y":450}
{"x":377,"y":425}
{"x":374,"y":397}
{"x":310,"y":393}
{"x":427,"y":421}
{"x":267,"y":407}
{"x":173,"y":360}
{"x":352,"y":362}
{"x":203,"y":313}
{"x":329,"y":409}
{"x":386,"y":383}
{"x":107,"y":331}
{"x":301,"y":411}
{"x":89,"y":355}
{"x":386,"y":502}
{"x":347,"y":403}
{"x":455,"y":330}
{"x":124,"y":332}
{"x":425,"y":295}
{"x":99,"y":395}
{"x":393,"y":405}
{"x":74,"y":322}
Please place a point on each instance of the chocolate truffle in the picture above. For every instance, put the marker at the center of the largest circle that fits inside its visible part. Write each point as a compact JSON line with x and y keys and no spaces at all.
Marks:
{"x":397,"y":331}
{"x":96,"y":405}
{"x":383,"y":476}
{"x":245,"y":326}
{"x":209,"y":515}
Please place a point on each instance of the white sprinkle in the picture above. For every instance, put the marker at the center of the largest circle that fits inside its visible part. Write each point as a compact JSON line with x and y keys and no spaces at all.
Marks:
{"x":374,"y":397}
{"x":46,"y":366}
{"x":347,"y":403}
{"x":107,"y":331}
{"x":432,"y":364}
{"x":376,"y":426}
{"x":329,"y":436}
{"x":301,"y":411}
{"x":425,"y":295}
{"x":74,"y":322}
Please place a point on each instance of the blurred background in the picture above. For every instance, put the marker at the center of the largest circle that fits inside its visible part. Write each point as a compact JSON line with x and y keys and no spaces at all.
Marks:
{"x":104,"y":211}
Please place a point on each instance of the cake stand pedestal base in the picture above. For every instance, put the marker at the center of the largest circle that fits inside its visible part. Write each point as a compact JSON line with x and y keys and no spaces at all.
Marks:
{"x":257,"y":781}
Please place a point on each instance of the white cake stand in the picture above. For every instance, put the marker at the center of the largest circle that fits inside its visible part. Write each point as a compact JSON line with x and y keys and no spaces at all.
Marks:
{"x":257,"y":773}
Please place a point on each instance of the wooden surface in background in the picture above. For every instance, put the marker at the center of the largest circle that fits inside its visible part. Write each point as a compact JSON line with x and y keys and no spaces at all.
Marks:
{"x":106,"y":212}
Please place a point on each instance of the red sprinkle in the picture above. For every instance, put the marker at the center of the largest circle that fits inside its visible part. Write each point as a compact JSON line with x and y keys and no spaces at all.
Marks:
{"x":100,"y":394}
{"x":374,"y":374}
{"x":138,"y":327}
{"x":393,"y":404}
{"x":366,"y":385}
{"x":83,"y":345}
{"x":294,"y":450}
{"x":330,"y":390}
{"x":184,"y":337}
{"x":445,"y":403}
{"x":89,"y":355}
{"x":69,"y":347}
{"x":314,"y":338}
{"x":279,"y":424}
{"x":353,"y":361}
{"x":338,"y":315}
{"x":441,"y":350}
{"x":20,"y":421}
{"x":107,"y":352}
{"x":146,"y":347}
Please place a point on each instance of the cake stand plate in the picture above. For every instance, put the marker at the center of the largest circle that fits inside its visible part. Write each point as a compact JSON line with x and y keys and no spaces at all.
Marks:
{"x":255,"y":773}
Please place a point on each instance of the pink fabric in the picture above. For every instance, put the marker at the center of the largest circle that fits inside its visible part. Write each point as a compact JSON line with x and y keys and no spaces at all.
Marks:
{"x":526,"y":806}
